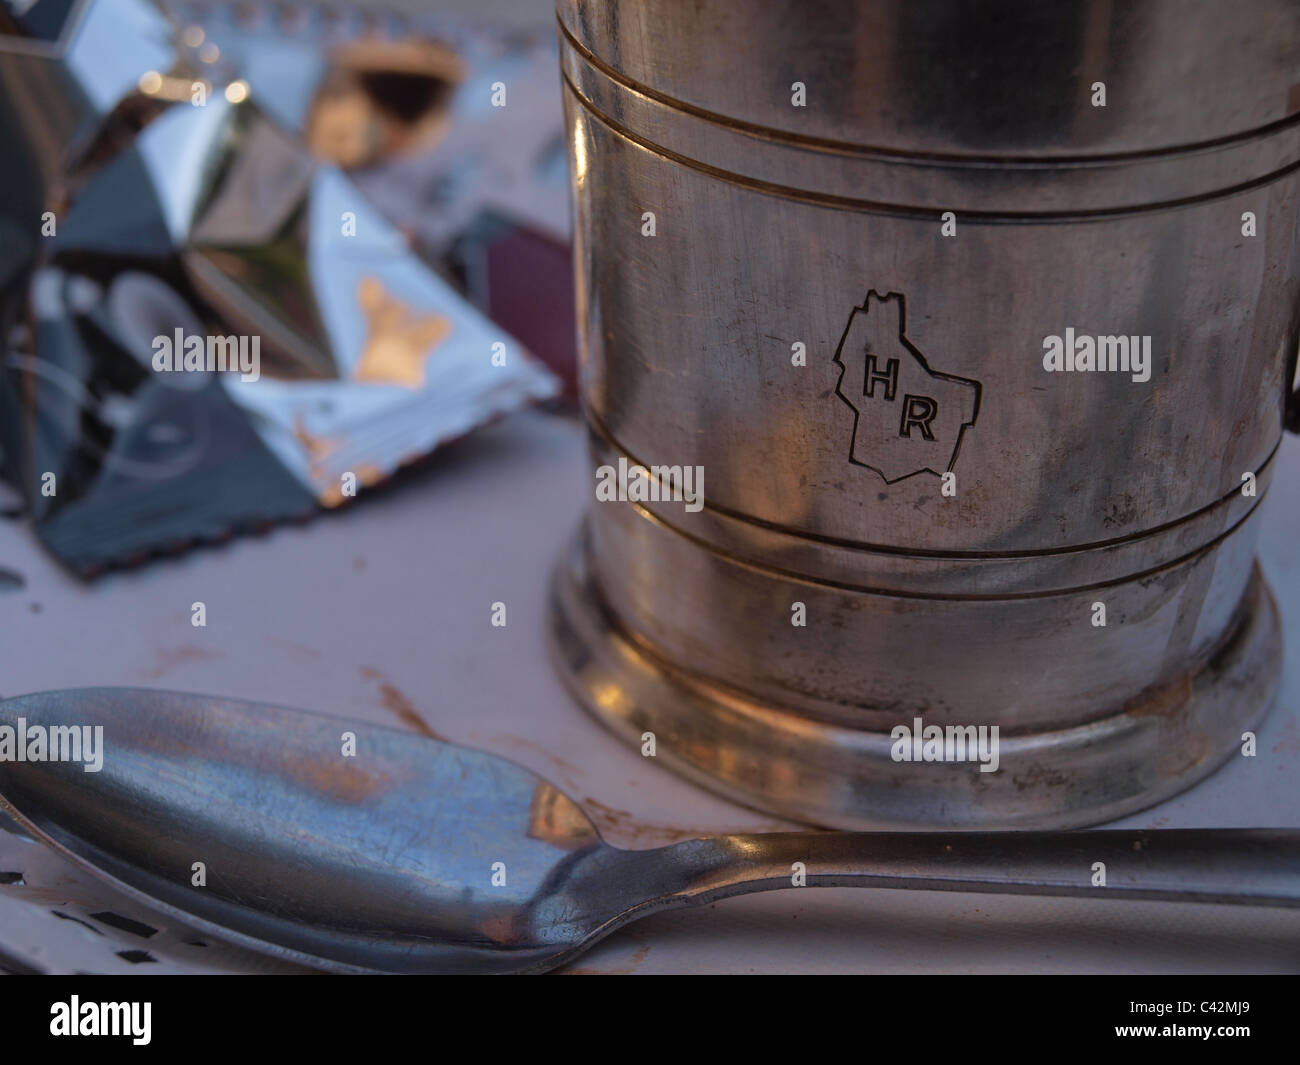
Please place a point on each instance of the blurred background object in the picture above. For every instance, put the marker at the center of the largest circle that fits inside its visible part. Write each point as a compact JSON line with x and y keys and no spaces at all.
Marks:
{"x":381,"y":98}
{"x":346,"y":190}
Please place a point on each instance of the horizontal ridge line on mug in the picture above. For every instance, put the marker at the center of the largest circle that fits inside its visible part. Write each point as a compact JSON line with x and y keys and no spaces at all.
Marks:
{"x":822,"y":581}
{"x":803,"y":713}
{"x":1280,"y":157}
{"x":733,"y":524}
{"x":830,"y":145}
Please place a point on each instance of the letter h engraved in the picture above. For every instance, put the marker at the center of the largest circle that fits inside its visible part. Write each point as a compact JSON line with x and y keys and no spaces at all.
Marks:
{"x":889,"y":377}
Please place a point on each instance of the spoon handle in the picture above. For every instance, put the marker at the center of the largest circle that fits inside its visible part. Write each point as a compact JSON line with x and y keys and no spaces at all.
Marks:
{"x":1257,"y":867}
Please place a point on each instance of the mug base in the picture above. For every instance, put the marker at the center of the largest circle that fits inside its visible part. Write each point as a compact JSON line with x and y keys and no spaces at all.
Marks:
{"x":773,"y":759}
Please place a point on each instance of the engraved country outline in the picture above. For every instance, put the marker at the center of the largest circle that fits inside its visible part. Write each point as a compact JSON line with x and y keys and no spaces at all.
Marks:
{"x":916,"y":354}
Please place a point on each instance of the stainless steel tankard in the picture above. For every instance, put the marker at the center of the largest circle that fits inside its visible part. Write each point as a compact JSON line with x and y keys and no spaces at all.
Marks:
{"x":935,"y":357}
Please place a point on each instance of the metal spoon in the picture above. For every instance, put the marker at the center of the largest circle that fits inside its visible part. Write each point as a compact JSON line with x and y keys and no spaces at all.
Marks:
{"x":416,"y":856}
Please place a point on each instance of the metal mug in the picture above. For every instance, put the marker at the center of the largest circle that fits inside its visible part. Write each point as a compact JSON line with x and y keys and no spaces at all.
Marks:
{"x":981,"y":322}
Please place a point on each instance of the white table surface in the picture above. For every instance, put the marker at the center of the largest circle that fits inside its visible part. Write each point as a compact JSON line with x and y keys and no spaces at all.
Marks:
{"x":383,"y":608}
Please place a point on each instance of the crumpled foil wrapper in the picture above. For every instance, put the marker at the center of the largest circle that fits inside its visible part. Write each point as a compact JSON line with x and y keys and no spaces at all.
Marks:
{"x":165,"y":188}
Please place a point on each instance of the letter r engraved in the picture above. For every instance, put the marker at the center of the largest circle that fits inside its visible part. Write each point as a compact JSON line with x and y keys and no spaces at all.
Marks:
{"x":918,"y":412}
{"x":889,"y":377}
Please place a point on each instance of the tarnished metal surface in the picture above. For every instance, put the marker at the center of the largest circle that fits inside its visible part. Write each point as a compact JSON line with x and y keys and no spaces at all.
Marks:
{"x":413,"y":855}
{"x":820,"y":224}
